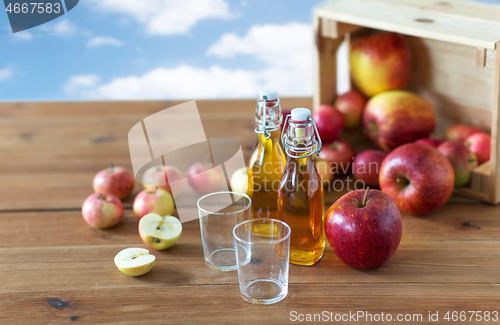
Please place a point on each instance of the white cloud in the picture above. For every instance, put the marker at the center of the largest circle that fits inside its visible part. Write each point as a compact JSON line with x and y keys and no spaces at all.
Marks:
{"x":166,"y":17}
{"x":5,"y":73}
{"x":103,"y":40}
{"x":64,"y":28}
{"x":80,"y":84}
{"x":23,"y":36}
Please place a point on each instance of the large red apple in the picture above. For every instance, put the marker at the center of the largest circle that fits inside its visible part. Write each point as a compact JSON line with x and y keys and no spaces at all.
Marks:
{"x":480,"y":145}
{"x":380,"y":62}
{"x":367,"y":164}
{"x":330,"y":123}
{"x":396,"y":117}
{"x":115,"y":180}
{"x":433,"y":142}
{"x":418,"y":177}
{"x":461,"y":158}
{"x":102,"y":210}
{"x":351,"y":105}
{"x":460,"y":132}
{"x":203,"y":178}
{"x":340,"y":155}
{"x":168,"y":178}
{"x":153,"y":201}
{"x":364,"y":228}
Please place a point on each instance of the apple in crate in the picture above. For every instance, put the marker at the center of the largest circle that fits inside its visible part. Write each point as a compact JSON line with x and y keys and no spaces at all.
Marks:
{"x":380,"y":62}
{"x":115,"y":180}
{"x":366,"y":166}
{"x":418,"y":177}
{"x":285,"y":112}
{"x":159,"y":176}
{"x":330,"y":123}
{"x":324,"y":169}
{"x":134,"y":261}
{"x":461,"y":158}
{"x":364,"y":228}
{"x":480,"y":145}
{"x":351,"y":105}
{"x":239,"y":180}
{"x":153,"y":201}
{"x":433,"y":142}
{"x":159,"y":232}
{"x":102,"y":210}
{"x":340,"y":155}
{"x":396,"y":117}
{"x":460,"y":132}
{"x":204,"y":178}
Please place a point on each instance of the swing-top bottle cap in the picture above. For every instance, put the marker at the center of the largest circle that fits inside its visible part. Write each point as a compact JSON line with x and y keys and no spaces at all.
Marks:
{"x":300,"y":114}
{"x":268,"y":94}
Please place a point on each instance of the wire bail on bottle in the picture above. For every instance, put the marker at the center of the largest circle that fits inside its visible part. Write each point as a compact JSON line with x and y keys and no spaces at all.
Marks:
{"x":262,"y":126}
{"x":305,"y":151}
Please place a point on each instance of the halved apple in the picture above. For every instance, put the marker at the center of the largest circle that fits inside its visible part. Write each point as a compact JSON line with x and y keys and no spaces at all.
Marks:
{"x":134,"y":261}
{"x":159,"y":232}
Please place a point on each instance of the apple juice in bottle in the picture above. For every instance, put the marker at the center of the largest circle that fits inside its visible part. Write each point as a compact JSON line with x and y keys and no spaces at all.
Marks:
{"x":267,"y":160}
{"x":300,"y":195}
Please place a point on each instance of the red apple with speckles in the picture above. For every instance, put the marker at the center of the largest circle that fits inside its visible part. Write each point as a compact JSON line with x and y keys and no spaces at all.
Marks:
{"x":102,"y":210}
{"x":396,"y":117}
{"x":460,"y":132}
{"x":115,"y":180}
{"x":367,"y":164}
{"x":433,"y":142}
{"x":340,"y":155}
{"x":330,"y":123}
{"x":351,"y":105}
{"x":480,"y":145}
{"x":380,"y":62}
{"x":418,"y":177}
{"x":168,"y":178}
{"x":364,"y":228}
{"x":461,"y":158}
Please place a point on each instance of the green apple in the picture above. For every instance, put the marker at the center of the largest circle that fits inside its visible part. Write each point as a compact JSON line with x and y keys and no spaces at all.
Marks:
{"x":239,"y":180}
{"x":159,"y":232}
{"x":134,"y":261}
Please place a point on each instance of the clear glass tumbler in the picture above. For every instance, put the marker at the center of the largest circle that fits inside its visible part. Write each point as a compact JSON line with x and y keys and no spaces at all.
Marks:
{"x":262,"y":261}
{"x":218,"y":213}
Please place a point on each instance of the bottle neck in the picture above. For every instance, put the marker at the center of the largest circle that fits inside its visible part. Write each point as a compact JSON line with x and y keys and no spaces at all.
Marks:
{"x":300,"y":140}
{"x":268,"y":116}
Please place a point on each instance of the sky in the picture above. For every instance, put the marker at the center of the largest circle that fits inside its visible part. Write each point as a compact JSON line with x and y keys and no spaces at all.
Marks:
{"x":161,"y":49}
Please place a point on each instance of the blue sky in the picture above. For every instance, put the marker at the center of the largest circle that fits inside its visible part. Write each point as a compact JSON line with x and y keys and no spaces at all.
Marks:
{"x":161,"y":49}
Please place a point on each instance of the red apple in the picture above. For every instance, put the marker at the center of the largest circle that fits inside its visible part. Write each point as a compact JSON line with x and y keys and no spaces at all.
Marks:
{"x":102,"y":210}
{"x":460,"y":132}
{"x":418,"y":177}
{"x":433,"y":142}
{"x":285,"y":113}
{"x":168,"y":178}
{"x":364,"y":228}
{"x":351,"y":105}
{"x":367,"y":164}
{"x":396,"y":117}
{"x":153,"y":201}
{"x":115,"y":180}
{"x":480,"y":145}
{"x":330,"y":123}
{"x":380,"y":62}
{"x":203,"y":178}
{"x":324,"y":170}
{"x":461,"y":158}
{"x":340,"y":155}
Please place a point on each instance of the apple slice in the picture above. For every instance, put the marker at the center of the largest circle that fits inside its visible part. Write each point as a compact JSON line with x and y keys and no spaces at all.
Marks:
{"x":134,"y":261}
{"x":159,"y":232}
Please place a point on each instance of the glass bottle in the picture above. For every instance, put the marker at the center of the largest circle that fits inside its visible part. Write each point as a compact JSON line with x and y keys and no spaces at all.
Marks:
{"x":301,"y":196}
{"x":267,"y":160}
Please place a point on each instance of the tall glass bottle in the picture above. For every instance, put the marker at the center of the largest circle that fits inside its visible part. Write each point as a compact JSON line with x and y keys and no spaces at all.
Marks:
{"x":300,"y":196}
{"x":268,"y":160}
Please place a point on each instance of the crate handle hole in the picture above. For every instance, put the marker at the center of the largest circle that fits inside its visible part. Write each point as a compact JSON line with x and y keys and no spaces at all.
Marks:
{"x":424,"y":20}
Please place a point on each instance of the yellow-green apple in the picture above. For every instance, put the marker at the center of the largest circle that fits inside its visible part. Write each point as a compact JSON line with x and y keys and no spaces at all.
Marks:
{"x":330,"y":123}
{"x":340,"y":155}
{"x":153,"y":201}
{"x":480,"y":144}
{"x":239,"y":180}
{"x":102,"y":210}
{"x":203,"y":178}
{"x":115,"y":180}
{"x":159,"y":232}
{"x":461,"y":158}
{"x":366,"y":166}
{"x":364,"y":228}
{"x":396,"y":117}
{"x":380,"y":62}
{"x":433,"y":142}
{"x":134,"y":261}
{"x":418,"y":177}
{"x":351,"y":105}
{"x":324,"y":170}
{"x":460,"y":132}
{"x":159,"y":176}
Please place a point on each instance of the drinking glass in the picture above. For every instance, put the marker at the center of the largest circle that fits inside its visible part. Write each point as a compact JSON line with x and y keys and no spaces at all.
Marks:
{"x":262,"y":261}
{"x":218,"y":213}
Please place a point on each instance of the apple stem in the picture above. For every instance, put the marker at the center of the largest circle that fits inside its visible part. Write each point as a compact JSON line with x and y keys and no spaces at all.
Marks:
{"x":366,"y":196}
{"x":111,"y":167}
{"x":156,"y":187}
{"x":100,"y":197}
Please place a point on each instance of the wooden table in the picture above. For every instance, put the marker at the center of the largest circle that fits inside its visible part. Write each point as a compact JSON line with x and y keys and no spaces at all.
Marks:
{"x":55,"y":269}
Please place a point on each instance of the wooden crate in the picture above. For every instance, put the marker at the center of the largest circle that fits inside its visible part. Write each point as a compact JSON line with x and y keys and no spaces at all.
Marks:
{"x":456,"y":63}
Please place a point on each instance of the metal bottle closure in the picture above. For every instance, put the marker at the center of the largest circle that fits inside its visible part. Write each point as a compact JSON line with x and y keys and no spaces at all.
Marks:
{"x":261,"y":127}
{"x":305,"y":149}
